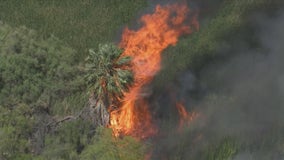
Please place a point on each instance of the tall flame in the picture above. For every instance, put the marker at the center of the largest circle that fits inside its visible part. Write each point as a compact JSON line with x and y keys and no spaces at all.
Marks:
{"x":159,"y":30}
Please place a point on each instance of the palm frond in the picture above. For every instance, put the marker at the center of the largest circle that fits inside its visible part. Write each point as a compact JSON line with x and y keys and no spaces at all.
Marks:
{"x":107,"y":65}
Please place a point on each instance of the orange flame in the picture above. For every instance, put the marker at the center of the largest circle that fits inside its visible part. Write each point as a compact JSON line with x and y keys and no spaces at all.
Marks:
{"x":159,"y":30}
{"x":185,"y":117}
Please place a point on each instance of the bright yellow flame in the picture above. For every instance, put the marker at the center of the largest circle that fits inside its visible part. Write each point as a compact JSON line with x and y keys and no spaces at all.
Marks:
{"x":159,"y":30}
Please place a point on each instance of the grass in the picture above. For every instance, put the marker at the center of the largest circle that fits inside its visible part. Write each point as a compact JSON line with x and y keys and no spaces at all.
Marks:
{"x":81,"y":24}
{"x":223,"y":150}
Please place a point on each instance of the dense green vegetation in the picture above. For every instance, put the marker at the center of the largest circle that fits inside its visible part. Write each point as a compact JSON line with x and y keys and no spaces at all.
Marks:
{"x":90,"y":22}
{"x":32,"y":68}
{"x":36,"y":77}
{"x":105,"y":146}
{"x":43,"y":78}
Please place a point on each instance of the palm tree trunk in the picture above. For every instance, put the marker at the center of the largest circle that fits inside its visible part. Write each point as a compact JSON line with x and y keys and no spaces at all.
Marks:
{"x":98,"y":111}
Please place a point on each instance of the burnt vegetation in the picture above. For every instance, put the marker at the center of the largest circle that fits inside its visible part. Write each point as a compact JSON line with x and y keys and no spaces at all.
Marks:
{"x":61,"y":73}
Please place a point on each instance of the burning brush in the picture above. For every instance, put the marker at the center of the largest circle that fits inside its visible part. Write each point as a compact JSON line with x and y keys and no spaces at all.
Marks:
{"x":118,"y":79}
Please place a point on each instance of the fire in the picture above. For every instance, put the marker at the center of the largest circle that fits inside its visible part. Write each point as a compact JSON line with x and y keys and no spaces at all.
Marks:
{"x":185,"y":117}
{"x":160,"y":30}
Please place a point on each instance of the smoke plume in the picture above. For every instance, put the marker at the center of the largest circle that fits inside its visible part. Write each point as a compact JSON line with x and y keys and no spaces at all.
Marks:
{"x":240,"y":95}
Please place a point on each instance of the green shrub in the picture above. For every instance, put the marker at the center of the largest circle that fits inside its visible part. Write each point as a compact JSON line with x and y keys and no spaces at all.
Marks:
{"x":107,"y":147}
{"x":35,"y":74}
{"x":67,"y":141}
{"x":34,"y":70}
{"x":16,"y":127}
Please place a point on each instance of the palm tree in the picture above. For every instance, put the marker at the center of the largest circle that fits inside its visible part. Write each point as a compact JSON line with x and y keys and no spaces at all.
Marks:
{"x":108,"y":76}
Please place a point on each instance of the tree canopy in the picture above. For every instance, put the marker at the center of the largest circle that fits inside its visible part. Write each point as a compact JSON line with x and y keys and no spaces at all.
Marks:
{"x":108,"y":76}
{"x":32,"y":68}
